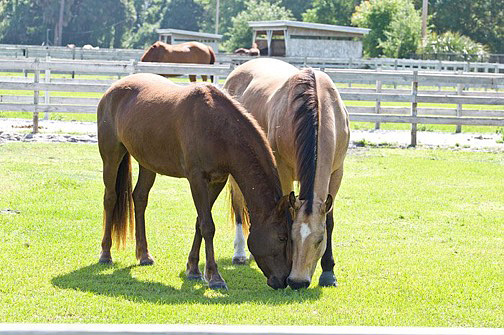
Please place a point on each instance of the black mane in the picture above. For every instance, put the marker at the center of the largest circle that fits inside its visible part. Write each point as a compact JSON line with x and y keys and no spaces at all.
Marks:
{"x":306,"y":123}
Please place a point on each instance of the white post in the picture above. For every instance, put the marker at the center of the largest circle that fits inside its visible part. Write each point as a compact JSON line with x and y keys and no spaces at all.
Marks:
{"x":36,"y":79}
{"x":459,"y":106}
{"x":269,"y":34}
{"x":414,"y":93}
{"x":378,"y":101}
{"x":47,"y":79}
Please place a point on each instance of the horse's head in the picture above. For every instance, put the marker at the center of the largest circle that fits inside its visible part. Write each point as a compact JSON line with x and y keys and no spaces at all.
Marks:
{"x":270,"y":244}
{"x":309,"y":239}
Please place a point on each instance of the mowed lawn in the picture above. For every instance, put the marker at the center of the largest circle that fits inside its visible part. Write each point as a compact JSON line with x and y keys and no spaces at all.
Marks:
{"x":419,"y":241}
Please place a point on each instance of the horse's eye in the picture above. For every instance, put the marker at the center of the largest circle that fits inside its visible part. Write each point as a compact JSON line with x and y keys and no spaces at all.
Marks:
{"x":283,"y":238}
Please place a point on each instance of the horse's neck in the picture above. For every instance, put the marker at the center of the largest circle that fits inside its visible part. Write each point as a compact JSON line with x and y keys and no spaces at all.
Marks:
{"x":259,"y":186}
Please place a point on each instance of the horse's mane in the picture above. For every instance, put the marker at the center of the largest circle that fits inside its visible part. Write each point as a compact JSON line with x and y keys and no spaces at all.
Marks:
{"x":237,"y":112}
{"x":306,"y":122}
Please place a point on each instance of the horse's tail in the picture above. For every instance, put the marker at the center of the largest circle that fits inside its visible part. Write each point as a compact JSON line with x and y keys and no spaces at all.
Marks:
{"x":212,"y":59}
{"x":123,"y":217}
{"x":236,"y":199}
{"x":303,"y":101}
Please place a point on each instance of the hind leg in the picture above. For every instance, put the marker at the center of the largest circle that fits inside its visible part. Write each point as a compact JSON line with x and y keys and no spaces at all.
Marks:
{"x":238,"y":205}
{"x":204,"y":77}
{"x":327,"y":278}
{"x":112,"y":158}
{"x":144,"y":184}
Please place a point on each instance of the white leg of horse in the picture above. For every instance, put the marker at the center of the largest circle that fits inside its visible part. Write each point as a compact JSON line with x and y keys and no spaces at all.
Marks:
{"x":240,"y":254}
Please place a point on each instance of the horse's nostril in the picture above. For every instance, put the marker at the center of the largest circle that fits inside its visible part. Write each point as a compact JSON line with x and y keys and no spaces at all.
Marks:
{"x":298,"y":284}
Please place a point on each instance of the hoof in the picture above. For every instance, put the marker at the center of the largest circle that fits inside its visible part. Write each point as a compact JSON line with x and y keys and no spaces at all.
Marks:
{"x":327,"y":279}
{"x":105,"y":258}
{"x":195,"y":276}
{"x":240,"y":260}
{"x":218,"y":285}
{"x":146,"y":261}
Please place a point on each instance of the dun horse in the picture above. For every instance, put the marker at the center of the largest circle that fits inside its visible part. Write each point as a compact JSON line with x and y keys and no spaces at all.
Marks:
{"x":195,"y":132}
{"x":307,"y":126}
{"x":189,"y":52}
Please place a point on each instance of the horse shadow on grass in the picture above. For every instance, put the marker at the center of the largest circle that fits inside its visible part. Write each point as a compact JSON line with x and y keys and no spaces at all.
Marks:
{"x":117,"y":281}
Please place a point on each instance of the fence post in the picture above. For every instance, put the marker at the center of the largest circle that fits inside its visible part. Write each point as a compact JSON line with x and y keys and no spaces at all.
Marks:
{"x":36,"y":79}
{"x":378,"y":101}
{"x":47,"y":79}
{"x":134,"y":63}
{"x":414,"y":94}
{"x":459,"y":106}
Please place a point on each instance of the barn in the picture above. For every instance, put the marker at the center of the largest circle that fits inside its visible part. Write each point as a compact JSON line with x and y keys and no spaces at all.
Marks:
{"x":177,"y":36}
{"x":306,"y":39}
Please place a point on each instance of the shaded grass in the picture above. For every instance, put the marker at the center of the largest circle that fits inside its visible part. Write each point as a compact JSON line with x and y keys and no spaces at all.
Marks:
{"x":418,"y":241}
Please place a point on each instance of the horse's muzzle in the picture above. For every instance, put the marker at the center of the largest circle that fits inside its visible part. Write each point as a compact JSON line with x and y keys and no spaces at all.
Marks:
{"x":296,"y":285}
{"x":276,"y":283}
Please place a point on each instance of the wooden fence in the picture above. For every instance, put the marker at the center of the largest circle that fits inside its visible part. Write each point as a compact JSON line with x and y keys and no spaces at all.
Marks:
{"x":33,"y":51}
{"x":410,"y":89}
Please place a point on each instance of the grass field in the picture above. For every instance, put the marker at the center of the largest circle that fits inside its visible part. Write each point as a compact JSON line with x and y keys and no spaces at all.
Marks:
{"x":419,"y":241}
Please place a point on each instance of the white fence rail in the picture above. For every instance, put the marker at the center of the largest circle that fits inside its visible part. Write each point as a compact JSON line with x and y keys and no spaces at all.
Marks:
{"x":408,"y":89}
{"x":34,"y":51}
{"x":146,"y":329}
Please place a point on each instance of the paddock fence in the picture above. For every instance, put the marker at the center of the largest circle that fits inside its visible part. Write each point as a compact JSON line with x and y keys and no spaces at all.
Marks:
{"x":414,"y":97}
{"x":149,"y":329}
{"x":78,"y":53}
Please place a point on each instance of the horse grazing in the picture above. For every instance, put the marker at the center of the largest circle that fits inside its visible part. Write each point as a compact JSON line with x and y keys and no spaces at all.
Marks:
{"x":306,"y":124}
{"x":199,"y":133}
{"x":189,"y":52}
{"x":254,"y":51}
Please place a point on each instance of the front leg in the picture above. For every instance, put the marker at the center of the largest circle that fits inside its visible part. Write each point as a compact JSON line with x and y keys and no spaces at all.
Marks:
{"x":204,"y":194}
{"x":327,"y":278}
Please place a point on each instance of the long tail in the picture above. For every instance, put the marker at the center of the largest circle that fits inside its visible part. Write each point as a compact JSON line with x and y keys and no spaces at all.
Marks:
{"x":235,"y":199}
{"x":123,"y":217}
{"x":304,"y":101}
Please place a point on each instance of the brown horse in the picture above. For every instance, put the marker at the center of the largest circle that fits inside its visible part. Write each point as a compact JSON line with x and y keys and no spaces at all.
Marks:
{"x":189,"y":52}
{"x":254,"y":51}
{"x":306,"y":124}
{"x":195,"y":132}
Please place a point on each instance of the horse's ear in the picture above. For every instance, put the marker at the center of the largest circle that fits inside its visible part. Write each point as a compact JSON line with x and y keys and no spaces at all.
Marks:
{"x":282,"y":205}
{"x":328,"y":203}
{"x":292,"y":199}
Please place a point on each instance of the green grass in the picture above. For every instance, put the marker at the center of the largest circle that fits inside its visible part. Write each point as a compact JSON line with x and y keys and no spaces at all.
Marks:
{"x":418,"y":241}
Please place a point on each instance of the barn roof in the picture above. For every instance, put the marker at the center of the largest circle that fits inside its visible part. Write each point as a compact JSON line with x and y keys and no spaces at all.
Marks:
{"x":171,"y":31}
{"x":284,"y":24}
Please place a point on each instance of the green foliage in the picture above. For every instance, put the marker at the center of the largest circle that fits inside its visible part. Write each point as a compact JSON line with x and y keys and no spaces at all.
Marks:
{"x":183,"y":14}
{"x":418,"y":242}
{"x":228,"y":9}
{"x":297,"y":7}
{"x":394,"y":19}
{"x":456,"y":43}
{"x":338,"y":12}
{"x":404,"y":34}
{"x":240,"y":35}
{"x":21,"y":22}
{"x":481,"y":20}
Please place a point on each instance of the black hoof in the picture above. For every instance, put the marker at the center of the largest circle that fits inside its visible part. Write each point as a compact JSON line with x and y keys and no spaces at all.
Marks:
{"x":106,"y":261}
{"x":327,"y":279}
{"x":195,"y":277}
{"x":147,"y":261}
{"x":220,"y":285}
{"x":241,"y":260}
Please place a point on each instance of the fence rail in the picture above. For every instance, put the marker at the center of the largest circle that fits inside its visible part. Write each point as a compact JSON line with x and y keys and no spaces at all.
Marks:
{"x":34,"y":51}
{"x":414,"y":91}
{"x":146,"y":329}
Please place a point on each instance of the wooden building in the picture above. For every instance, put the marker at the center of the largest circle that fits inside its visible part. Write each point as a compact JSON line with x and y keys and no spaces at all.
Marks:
{"x":177,"y":36}
{"x":305,"y":39}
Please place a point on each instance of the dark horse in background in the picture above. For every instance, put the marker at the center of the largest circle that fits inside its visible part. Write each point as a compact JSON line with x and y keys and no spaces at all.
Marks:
{"x":306,"y":124}
{"x":189,"y":52}
{"x":199,"y":133}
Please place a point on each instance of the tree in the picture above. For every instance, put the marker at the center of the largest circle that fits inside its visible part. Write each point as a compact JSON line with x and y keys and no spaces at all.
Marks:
{"x":21,"y":22}
{"x":388,"y":19}
{"x":297,"y":7}
{"x":481,"y":20}
{"x":240,"y":35}
{"x":183,"y":14}
{"x":338,"y":12}
{"x":454,"y":43}
{"x":147,"y":19}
